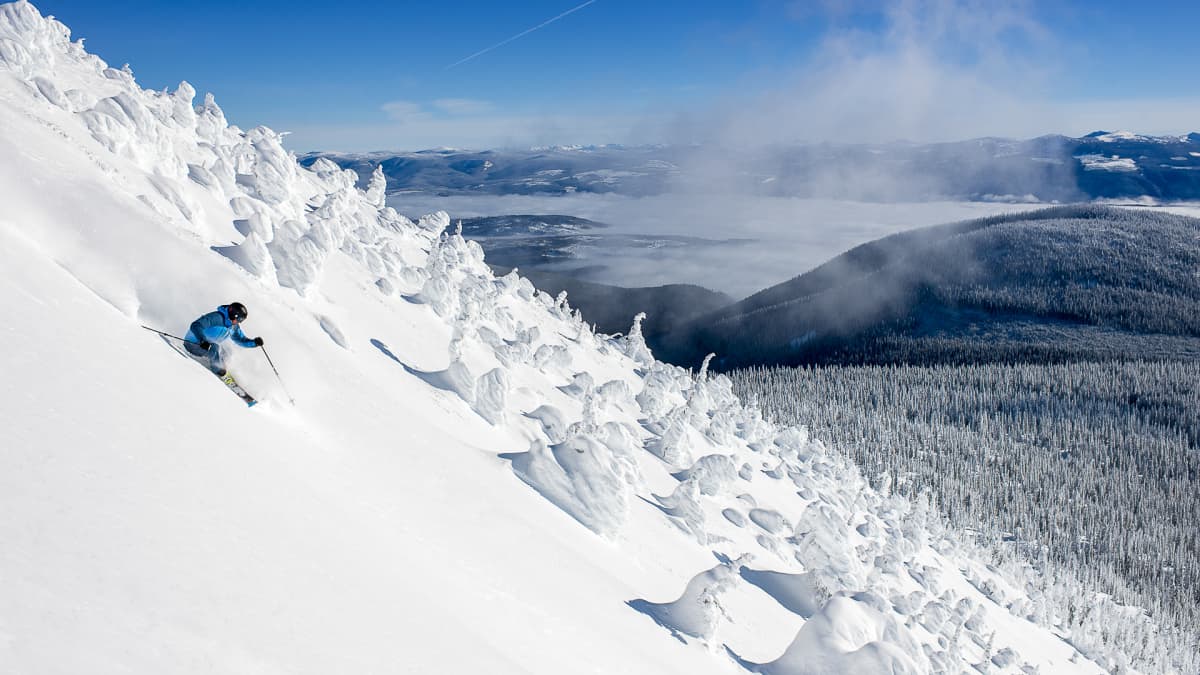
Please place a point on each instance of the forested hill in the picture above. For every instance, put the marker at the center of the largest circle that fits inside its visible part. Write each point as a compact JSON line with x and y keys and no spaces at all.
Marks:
{"x":1073,"y":282}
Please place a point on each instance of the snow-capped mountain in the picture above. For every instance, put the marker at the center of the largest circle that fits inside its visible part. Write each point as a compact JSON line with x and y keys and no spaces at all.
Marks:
{"x":1101,"y":165}
{"x":636,"y":170}
{"x":470,"y":479}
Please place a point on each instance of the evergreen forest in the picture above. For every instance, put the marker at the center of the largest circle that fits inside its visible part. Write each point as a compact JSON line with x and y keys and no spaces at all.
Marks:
{"x":1088,"y":470}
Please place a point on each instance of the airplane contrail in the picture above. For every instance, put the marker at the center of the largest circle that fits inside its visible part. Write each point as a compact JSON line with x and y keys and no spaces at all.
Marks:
{"x":522,"y":34}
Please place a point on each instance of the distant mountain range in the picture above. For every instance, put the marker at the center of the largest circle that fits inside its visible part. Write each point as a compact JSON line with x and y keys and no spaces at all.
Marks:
{"x":1101,"y":165}
{"x":1064,"y":283}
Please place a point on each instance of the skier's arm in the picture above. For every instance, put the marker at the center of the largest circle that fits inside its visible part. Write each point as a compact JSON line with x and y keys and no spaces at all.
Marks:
{"x":197,"y":330}
{"x":240,"y":338}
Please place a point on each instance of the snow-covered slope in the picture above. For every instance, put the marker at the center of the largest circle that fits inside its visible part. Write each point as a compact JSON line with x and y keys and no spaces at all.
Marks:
{"x":469,"y":480}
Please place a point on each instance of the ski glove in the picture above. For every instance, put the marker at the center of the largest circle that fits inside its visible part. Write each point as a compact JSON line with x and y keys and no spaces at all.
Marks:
{"x":205,"y":345}
{"x":258,"y":342}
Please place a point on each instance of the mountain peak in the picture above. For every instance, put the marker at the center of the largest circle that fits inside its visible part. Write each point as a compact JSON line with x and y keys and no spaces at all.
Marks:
{"x":1113,"y":136}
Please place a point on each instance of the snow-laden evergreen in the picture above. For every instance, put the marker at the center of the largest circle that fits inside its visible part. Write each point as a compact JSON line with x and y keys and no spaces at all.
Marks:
{"x":471,"y":480}
{"x":1087,"y":470}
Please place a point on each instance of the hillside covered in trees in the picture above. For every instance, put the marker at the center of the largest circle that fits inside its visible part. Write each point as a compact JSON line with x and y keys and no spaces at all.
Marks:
{"x":1087,"y":470}
{"x":1060,"y":284}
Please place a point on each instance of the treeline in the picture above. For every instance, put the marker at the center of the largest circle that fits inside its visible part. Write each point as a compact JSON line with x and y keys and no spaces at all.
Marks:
{"x":1090,"y":467}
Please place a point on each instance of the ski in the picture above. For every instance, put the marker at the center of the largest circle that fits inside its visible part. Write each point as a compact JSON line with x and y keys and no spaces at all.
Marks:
{"x":226,"y":379}
{"x":237,"y":389}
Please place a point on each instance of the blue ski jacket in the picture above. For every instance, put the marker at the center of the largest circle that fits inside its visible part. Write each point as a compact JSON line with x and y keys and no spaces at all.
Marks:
{"x":216,"y":327}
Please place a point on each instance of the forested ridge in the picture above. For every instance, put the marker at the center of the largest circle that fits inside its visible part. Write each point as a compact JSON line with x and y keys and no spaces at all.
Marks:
{"x":1062,"y":284}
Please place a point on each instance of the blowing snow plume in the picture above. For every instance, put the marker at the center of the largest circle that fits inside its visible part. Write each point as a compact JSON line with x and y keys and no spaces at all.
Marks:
{"x":935,"y":71}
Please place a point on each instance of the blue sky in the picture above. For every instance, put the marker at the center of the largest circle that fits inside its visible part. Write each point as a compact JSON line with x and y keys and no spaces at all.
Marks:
{"x":377,"y":76}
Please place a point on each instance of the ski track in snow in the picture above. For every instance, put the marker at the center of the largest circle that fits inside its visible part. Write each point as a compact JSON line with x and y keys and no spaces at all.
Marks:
{"x":470,"y":480}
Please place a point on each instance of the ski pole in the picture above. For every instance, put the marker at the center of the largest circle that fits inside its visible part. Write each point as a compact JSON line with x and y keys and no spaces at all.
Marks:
{"x":285,"y":389}
{"x":176,"y":337}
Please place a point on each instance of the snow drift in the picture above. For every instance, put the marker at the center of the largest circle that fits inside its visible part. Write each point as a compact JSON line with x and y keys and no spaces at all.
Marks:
{"x":471,"y":480}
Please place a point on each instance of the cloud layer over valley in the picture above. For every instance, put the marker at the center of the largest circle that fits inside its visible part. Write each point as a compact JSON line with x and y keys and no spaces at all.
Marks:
{"x":778,"y":238}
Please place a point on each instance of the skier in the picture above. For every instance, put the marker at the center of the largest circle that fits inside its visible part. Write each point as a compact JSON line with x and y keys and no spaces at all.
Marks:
{"x":206,"y":332}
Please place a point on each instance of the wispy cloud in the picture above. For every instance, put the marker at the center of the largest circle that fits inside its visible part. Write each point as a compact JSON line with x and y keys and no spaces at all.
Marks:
{"x":462,"y":106}
{"x":410,"y":113}
{"x":405,"y":112}
{"x":887,"y":70}
{"x":883,"y":70}
{"x":929,"y":70}
{"x":522,"y":34}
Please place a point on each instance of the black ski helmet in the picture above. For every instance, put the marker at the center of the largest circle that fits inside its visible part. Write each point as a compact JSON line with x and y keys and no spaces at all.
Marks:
{"x":237,"y":311}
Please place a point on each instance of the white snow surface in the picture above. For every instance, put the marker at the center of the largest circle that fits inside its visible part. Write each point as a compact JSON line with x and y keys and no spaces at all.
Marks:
{"x":1107,"y":163}
{"x":1115,"y":136}
{"x":470,"y":480}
